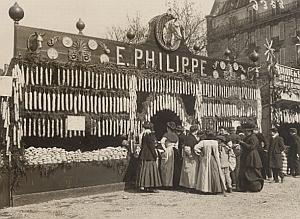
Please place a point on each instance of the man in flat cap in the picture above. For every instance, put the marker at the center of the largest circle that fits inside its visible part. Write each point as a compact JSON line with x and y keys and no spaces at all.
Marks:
{"x":275,"y":157}
{"x":295,"y":153}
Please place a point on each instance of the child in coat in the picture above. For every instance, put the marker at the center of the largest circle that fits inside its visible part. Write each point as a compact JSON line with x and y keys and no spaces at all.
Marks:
{"x":224,"y":158}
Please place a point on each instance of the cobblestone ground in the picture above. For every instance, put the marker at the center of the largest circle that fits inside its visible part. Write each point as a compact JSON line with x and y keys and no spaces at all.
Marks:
{"x":275,"y":201}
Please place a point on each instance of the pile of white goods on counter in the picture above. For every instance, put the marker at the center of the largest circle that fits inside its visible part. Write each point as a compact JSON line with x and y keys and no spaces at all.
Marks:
{"x":42,"y":156}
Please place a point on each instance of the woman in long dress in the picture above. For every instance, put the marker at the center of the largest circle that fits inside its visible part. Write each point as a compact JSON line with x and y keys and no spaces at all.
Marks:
{"x":250,"y":178}
{"x":210,"y":175}
{"x":148,"y":175}
{"x":168,"y":142}
{"x":190,"y":160}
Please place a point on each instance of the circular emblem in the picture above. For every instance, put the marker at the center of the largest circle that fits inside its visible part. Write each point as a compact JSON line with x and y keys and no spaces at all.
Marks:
{"x":52,"y":53}
{"x":104,"y":58}
{"x":215,"y":74}
{"x":93,"y":45}
{"x":67,"y":42}
{"x":235,"y":66}
{"x":243,"y":77}
{"x":222,"y":65}
{"x":168,"y":32}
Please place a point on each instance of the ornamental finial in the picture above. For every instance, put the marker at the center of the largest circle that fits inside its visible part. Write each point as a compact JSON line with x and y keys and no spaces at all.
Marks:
{"x":16,"y":13}
{"x":80,"y":25}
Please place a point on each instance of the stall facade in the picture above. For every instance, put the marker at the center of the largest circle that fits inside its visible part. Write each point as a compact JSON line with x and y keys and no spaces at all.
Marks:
{"x":74,"y":97}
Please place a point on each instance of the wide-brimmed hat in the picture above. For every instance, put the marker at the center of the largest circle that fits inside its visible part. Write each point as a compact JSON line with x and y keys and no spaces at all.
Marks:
{"x":193,"y":128}
{"x":171,"y":125}
{"x":294,"y":130}
{"x":147,"y":125}
{"x":221,"y":138}
{"x":248,"y":126}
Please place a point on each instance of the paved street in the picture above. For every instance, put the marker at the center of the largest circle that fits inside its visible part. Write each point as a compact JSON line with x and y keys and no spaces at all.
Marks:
{"x":275,"y":201}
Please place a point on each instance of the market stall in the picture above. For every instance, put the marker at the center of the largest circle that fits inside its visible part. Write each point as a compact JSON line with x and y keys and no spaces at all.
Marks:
{"x":74,"y":97}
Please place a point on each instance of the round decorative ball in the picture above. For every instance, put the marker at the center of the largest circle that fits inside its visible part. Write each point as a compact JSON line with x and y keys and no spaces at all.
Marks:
{"x":227,"y":52}
{"x":16,"y":12}
{"x":196,"y":46}
{"x":130,"y":34}
{"x":80,"y":25}
{"x":254,"y":56}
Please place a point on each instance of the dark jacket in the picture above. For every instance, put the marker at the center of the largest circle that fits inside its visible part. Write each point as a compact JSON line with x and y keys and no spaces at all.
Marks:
{"x":295,"y":145}
{"x":148,"y":151}
{"x":249,"y":155}
{"x":261,"y":140}
{"x":275,"y":149}
{"x":190,"y":140}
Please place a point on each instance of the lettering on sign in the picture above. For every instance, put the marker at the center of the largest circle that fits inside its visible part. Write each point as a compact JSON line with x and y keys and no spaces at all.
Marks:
{"x":288,"y":77}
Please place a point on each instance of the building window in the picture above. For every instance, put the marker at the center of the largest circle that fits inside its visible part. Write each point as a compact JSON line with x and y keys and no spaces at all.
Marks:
{"x":251,"y":14}
{"x":281,"y":57}
{"x":298,"y":55}
{"x":275,"y":31}
{"x":251,"y":37}
{"x":281,"y":31}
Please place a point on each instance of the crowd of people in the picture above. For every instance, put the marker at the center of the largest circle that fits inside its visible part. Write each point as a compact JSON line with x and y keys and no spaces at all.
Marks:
{"x":234,"y":159}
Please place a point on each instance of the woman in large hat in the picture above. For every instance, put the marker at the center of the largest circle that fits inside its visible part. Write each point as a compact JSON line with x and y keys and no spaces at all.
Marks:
{"x":169,"y":141}
{"x":148,"y":176}
{"x":250,"y":178}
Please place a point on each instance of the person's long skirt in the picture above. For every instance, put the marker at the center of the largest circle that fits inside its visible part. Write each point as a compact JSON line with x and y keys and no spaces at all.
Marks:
{"x":189,"y":172}
{"x":148,"y":175}
{"x":250,"y":179}
{"x":216,"y":183}
{"x":167,"y":167}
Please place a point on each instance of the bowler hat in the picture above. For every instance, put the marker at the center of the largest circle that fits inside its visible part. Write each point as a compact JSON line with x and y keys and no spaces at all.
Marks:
{"x":147,"y":125}
{"x":294,"y":130}
{"x":171,"y":125}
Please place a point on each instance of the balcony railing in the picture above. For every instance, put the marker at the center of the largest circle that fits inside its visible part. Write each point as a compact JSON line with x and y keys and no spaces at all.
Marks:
{"x":258,"y":19}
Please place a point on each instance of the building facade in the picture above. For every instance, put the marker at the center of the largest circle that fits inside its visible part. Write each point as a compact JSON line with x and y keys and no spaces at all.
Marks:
{"x":243,"y":26}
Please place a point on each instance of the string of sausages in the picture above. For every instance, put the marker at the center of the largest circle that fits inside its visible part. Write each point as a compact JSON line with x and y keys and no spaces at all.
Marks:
{"x":226,"y":91}
{"x":50,"y":100}
{"x":80,"y":78}
{"x":57,"y":127}
{"x":166,"y":102}
{"x":164,"y":85}
{"x":211,"y":109}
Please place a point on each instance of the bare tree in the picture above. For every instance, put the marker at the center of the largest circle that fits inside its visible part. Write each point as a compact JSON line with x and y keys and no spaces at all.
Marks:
{"x":134,"y":24}
{"x":191,"y":19}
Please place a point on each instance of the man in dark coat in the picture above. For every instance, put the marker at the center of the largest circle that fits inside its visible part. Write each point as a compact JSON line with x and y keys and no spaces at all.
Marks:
{"x":275,"y":156}
{"x":250,"y":178}
{"x":178,"y":156}
{"x":295,"y":153}
{"x":262,"y":150}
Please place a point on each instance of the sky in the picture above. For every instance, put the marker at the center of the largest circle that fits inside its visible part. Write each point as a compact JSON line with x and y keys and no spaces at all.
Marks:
{"x":62,"y":15}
